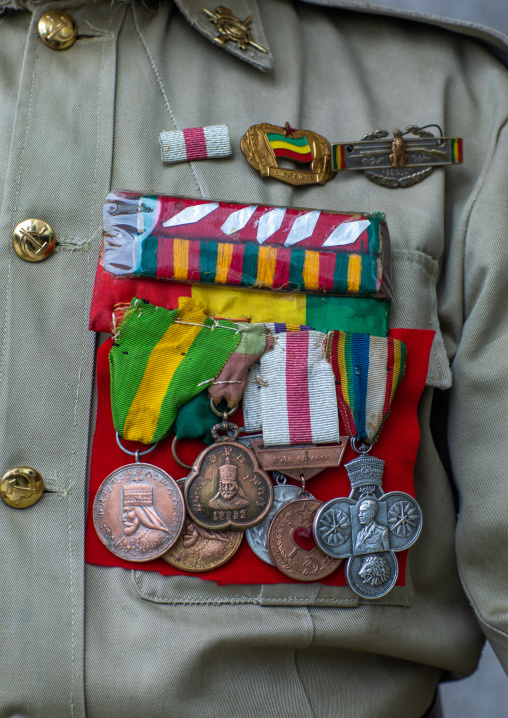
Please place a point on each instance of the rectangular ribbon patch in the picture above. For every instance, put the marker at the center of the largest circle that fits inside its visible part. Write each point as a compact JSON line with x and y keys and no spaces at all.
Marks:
{"x":255,"y":246}
{"x":322,"y":312}
{"x":195,"y":143}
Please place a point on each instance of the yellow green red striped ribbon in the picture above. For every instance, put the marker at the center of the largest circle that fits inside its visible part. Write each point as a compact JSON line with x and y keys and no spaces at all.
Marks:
{"x":158,"y":362}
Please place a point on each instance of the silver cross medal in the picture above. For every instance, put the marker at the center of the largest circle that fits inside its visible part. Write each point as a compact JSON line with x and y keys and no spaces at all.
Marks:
{"x":368,"y":527}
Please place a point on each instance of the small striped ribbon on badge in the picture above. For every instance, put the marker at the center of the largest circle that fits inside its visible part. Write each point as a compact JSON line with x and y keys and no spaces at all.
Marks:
{"x":195,"y":143}
{"x":298,"y":400}
{"x":368,"y":371}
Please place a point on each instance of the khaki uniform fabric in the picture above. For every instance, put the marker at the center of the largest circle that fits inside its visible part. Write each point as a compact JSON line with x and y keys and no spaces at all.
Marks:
{"x":78,"y":640}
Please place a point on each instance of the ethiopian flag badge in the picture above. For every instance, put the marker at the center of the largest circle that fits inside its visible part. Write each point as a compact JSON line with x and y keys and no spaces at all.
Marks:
{"x":263,"y":144}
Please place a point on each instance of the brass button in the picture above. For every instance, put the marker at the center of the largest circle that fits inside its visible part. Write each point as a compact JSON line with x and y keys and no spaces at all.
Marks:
{"x":33,"y":240}
{"x":57,"y":30}
{"x":21,"y":487}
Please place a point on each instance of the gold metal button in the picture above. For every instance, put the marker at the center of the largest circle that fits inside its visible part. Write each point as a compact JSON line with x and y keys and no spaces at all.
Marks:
{"x":33,"y":240}
{"x":21,"y":487}
{"x":57,"y":30}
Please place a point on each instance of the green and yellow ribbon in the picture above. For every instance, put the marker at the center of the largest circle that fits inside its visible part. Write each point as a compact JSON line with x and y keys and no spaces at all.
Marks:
{"x":160,"y":360}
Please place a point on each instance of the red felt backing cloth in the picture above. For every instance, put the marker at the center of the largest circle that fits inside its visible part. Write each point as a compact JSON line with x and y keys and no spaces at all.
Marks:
{"x":397,"y":446}
{"x":110,"y":290}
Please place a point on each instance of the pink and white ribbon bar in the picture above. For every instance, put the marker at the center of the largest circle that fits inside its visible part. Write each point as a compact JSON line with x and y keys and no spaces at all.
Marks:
{"x":195,"y":143}
{"x":298,"y":398}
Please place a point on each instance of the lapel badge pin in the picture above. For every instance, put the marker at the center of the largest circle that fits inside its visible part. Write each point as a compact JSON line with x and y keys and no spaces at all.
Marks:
{"x":263,"y":144}
{"x":401,"y":161}
{"x":231,"y":29}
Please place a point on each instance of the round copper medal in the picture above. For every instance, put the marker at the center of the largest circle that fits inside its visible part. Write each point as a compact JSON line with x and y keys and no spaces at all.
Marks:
{"x":198,"y":549}
{"x":226,"y":489}
{"x":292,"y":545}
{"x":138,"y":512}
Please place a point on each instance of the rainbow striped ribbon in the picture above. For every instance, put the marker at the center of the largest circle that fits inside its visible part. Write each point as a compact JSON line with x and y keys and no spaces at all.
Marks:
{"x":367,"y":371}
{"x":160,"y":360}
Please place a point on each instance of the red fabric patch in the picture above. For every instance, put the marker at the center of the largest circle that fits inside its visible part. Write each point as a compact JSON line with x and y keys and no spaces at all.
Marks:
{"x":110,"y":290}
{"x":397,"y":446}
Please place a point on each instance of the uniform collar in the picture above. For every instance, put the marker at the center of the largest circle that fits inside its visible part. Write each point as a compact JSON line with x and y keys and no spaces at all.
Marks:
{"x":486,"y":21}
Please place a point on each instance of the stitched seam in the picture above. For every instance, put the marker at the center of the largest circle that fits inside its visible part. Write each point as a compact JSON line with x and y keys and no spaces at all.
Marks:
{"x":72,"y":248}
{"x":298,"y":673}
{"x":415,"y":260}
{"x":424,"y":17}
{"x":163,"y":92}
{"x":478,"y":188}
{"x":18,"y":183}
{"x":136,"y":576}
{"x":474,"y":605}
{"x":298,"y":602}
{"x":94,"y":39}
{"x":73,"y":613}
{"x":78,"y":389}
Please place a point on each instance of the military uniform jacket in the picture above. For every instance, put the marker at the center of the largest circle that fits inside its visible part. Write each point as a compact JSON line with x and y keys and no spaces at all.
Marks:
{"x":78,"y":639}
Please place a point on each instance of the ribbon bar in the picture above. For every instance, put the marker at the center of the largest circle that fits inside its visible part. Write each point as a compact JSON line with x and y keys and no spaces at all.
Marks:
{"x":381,"y":154}
{"x":255,"y":246}
{"x":195,"y":143}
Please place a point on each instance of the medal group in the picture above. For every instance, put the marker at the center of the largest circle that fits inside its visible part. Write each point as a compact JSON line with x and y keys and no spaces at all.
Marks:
{"x":180,"y":373}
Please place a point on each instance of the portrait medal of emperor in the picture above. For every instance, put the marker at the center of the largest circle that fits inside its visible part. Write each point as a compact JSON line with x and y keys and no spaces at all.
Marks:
{"x":138,"y":512}
{"x":226,"y":488}
{"x":368,"y":527}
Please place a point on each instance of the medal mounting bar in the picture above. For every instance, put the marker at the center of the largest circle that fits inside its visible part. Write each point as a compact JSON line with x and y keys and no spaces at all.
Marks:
{"x":299,"y":462}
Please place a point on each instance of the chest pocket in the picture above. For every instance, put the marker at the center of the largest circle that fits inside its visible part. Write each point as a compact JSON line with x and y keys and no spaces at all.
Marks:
{"x":414,"y":276}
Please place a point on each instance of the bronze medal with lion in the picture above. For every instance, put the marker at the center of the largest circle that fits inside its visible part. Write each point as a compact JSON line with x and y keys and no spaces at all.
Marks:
{"x":226,"y":489}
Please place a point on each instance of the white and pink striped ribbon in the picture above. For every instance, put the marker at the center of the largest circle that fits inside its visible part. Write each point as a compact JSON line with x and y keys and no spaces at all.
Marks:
{"x":252,"y":400}
{"x":195,"y":143}
{"x":298,"y":398}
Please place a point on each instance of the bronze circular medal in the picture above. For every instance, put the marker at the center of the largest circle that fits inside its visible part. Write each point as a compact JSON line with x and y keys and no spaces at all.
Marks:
{"x":226,"y":489}
{"x":198,"y":549}
{"x":138,"y":512}
{"x":292,"y":545}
